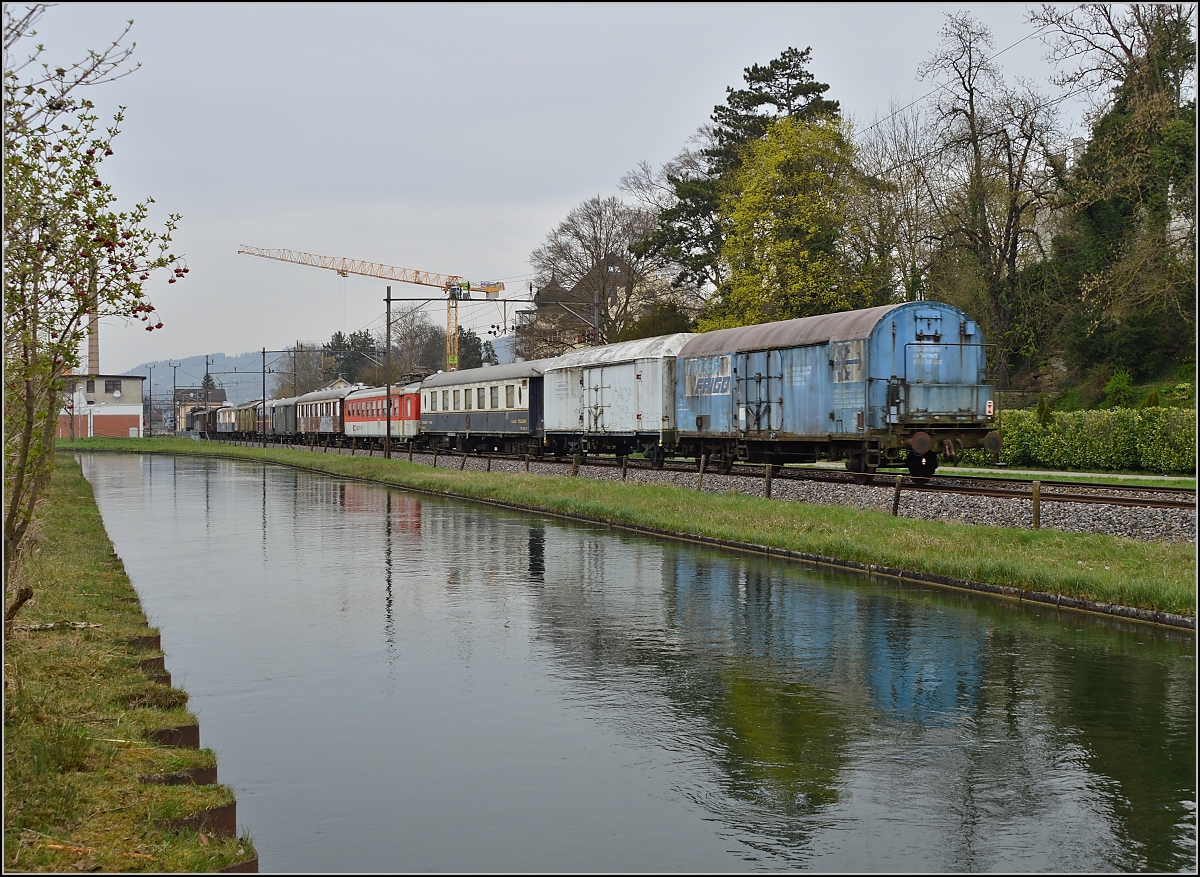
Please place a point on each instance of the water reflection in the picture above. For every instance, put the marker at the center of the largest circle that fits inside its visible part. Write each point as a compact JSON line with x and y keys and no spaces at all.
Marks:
{"x":560,"y":697}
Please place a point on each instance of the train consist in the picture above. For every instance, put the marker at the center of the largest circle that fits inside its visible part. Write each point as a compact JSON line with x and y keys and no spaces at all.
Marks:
{"x":897,"y":385}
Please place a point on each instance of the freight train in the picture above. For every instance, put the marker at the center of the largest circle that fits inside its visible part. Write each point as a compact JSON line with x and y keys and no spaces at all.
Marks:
{"x":898,"y":385}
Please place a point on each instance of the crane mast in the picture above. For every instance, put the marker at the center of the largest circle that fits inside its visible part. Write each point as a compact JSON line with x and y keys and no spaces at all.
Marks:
{"x":454,"y":285}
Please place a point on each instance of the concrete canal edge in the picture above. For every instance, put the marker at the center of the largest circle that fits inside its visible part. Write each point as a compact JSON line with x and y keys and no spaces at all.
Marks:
{"x":135,"y":645}
{"x":218,"y":821}
{"x":1020,"y":595}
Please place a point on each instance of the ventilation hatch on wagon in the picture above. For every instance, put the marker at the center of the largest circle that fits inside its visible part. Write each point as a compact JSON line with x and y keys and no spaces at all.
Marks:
{"x":929,"y":324}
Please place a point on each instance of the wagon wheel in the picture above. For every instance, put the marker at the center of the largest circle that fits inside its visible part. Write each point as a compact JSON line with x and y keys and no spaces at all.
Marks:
{"x":655,"y":456}
{"x":856,"y":463}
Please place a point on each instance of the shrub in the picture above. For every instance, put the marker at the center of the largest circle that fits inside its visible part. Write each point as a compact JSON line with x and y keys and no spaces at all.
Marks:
{"x":1166,"y":440}
{"x":1044,"y":415}
{"x":1151,"y":439}
{"x":1118,"y":392}
{"x":1182,"y":395}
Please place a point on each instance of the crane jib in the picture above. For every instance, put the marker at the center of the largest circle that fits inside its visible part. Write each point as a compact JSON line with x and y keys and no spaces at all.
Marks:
{"x":454,"y":285}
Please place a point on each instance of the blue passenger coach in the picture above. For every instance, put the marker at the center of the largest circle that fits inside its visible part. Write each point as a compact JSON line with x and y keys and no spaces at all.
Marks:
{"x":892,"y":385}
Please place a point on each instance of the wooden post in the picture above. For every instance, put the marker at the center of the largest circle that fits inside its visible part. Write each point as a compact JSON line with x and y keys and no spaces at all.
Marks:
{"x":462,"y":464}
{"x":768,"y":474}
{"x":703,"y":463}
{"x":896,"y":497}
{"x":410,"y":451}
{"x":1037,"y":505}
{"x":574,"y":464}
{"x":526,"y":462}
{"x":489,"y":463}
{"x":435,"y":455}
{"x":624,"y":462}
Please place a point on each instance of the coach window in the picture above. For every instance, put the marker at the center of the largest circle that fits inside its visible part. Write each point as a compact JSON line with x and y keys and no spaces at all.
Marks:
{"x":445,"y":400}
{"x":431,"y":402}
{"x":493,"y":397}
{"x":509,"y":402}
{"x":457,"y":401}
{"x":467,"y":394}
{"x":519,"y":402}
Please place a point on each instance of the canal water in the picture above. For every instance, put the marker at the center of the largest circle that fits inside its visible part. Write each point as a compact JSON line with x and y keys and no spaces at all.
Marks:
{"x":398,"y":683}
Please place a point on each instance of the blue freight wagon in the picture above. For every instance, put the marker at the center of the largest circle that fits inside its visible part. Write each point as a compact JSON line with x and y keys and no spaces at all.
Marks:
{"x":892,"y":385}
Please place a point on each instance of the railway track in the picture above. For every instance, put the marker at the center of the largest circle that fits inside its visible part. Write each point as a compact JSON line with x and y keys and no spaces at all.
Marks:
{"x":1049,"y":491}
{"x":1003,"y":488}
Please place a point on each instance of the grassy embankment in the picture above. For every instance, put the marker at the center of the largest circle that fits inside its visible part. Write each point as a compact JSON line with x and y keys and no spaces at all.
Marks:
{"x":1154,"y":576}
{"x":80,"y":715}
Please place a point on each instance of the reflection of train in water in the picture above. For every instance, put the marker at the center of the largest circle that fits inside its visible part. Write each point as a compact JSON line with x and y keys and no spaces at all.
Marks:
{"x":897,"y":385}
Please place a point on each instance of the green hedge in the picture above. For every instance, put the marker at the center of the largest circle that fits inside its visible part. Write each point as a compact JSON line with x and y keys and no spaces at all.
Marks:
{"x":1152,"y":440}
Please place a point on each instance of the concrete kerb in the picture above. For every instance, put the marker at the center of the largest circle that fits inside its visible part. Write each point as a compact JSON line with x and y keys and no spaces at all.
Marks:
{"x":1059,"y":601}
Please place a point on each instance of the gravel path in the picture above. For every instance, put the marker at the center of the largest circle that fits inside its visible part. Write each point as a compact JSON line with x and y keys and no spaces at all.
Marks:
{"x":1147,"y":524}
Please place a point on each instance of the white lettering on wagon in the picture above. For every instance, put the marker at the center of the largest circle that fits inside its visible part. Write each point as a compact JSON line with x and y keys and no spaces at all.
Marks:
{"x":708,"y":377}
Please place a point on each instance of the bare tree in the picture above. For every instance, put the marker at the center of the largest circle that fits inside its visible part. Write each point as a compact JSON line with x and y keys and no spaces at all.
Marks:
{"x":992,"y":180}
{"x":310,"y":370}
{"x":590,"y":284}
{"x":893,"y":153}
{"x":1111,"y":45}
{"x":418,"y":345}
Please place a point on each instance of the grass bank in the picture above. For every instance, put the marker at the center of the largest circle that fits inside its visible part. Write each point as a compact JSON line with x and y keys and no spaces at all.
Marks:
{"x":81,"y":712}
{"x":1149,"y":576}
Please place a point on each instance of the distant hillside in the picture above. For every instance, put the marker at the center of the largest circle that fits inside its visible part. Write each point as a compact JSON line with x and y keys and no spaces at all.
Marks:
{"x":240,"y":375}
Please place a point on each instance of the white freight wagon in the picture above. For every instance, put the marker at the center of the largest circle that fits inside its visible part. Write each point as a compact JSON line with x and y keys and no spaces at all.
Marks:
{"x":617,"y":399}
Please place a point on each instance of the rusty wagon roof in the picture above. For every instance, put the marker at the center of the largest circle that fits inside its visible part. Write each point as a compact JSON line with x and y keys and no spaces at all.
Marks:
{"x":842,"y":326}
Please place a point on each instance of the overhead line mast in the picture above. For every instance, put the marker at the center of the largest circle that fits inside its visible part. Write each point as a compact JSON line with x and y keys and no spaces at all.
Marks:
{"x":454,"y":285}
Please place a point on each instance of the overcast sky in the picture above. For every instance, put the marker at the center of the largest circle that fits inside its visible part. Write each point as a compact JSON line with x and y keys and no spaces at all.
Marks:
{"x":443,"y":137}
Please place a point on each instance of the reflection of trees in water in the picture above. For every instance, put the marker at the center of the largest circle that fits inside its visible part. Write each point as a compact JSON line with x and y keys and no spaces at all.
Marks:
{"x":776,"y":676}
{"x":699,"y":672}
{"x":1117,"y":701}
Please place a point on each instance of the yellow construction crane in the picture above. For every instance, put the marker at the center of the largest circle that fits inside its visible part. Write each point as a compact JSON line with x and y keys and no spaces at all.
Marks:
{"x":455,"y":287}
